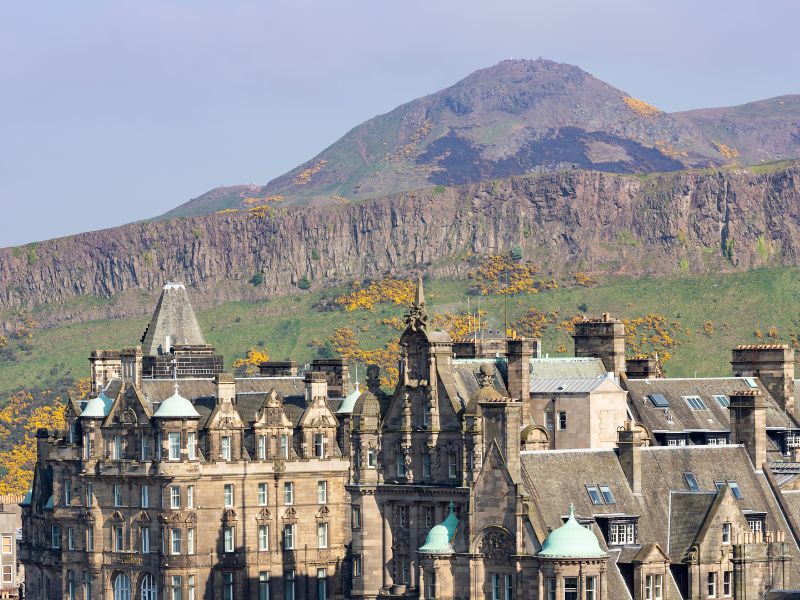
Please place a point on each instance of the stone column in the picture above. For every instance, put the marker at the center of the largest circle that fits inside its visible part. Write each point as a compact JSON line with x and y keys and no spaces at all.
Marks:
{"x":387,"y":545}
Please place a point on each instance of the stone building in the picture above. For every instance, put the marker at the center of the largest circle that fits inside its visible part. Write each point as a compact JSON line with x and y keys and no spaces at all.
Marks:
{"x":11,"y":576}
{"x":180,"y":481}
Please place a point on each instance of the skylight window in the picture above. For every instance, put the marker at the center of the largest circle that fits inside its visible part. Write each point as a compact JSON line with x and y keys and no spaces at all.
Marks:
{"x":695,"y":402}
{"x":607,"y":495}
{"x":659,"y":400}
{"x":723,"y":400}
{"x":750,"y":382}
{"x":594,"y":494}
{"x":737,"y":493}
{"x":691,"y":481}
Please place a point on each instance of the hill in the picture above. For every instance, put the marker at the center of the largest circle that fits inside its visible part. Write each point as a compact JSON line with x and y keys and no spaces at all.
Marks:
{"x":518,"y":117}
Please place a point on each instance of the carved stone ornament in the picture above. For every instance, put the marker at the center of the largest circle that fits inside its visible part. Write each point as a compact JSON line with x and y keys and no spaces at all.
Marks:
{"x":264,"y":516}
{"x":229,"y":517}
{"x":496,"y":546}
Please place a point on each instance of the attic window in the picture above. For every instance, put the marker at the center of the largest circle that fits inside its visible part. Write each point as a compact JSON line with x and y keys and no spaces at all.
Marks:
{"x":607,"y":495}
{"x":750,"y":382}
{"x":723,"y":400}
{"x":594,"y":494}
{"x":735,"y":490}
{"x":659,"y":400}
{"x":691,"y":481}
{"x":695,"y":402}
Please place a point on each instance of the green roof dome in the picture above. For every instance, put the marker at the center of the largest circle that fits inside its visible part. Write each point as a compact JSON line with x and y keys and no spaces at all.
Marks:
{"x":572,"y":540}
{"x":451,"y":522}
{"x":438,"y":541}
{"x":97,"y":408}
{"x":26,"y":501}
{"x":349,"y":401}
{"x":176,"y":407}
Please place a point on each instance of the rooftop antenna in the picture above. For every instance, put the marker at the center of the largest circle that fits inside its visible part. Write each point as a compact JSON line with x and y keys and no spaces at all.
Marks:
{"x":357,"y":378}
{"x":175,"y":373}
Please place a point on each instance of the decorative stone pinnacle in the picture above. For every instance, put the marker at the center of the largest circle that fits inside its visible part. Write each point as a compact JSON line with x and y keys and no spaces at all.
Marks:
{"x":417,"y":317}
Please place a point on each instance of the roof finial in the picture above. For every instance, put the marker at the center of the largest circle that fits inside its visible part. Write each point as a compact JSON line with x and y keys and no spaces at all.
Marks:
{"x":571,"y":510}
{"x":417,"y":317}
{"x":419,"y":298}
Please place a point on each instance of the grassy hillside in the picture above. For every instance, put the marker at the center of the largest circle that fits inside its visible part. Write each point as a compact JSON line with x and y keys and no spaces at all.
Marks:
{"x":707,"y":316}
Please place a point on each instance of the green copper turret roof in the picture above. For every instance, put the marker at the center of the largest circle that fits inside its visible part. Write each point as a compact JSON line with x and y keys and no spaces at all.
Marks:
{"x":451,"y":522}
{"x":349,"y":401}
{"x":97,"y":408}
{"x":176,"y":407}
{"x":438,"y":541}
{"x":572,"y":540}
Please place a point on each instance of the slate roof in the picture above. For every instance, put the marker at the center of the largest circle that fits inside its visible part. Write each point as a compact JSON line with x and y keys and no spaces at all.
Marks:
{"x":683,"y":418}
{"x":568,"y":386}
{"x":466,"y":381}
{"x":250,"y":394}
{"x":567,"y":367}
{"x":172,"y":317}
{"x":688,"y":510}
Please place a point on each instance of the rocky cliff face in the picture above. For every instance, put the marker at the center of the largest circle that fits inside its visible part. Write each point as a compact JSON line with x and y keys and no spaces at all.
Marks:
{"x":699,"y":222}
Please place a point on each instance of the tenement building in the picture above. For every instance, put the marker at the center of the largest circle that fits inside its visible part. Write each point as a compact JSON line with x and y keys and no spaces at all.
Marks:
{"x":489,"y":472}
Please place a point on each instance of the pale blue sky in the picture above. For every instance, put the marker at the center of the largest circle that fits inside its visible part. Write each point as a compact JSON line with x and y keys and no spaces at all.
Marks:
{"x":120,"y":110}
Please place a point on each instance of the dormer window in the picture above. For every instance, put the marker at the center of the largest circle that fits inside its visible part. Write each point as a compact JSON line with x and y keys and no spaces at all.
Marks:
{"x":284,"y":446}
{"x":262,"y":447}
{"x":621,"y":533}
{"x":320,"y":443}
{"x":225,"y":447}
{"x":116,"y":448}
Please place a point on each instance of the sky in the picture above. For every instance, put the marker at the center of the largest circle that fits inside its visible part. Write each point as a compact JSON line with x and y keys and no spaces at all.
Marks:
{"x":116,"y":111}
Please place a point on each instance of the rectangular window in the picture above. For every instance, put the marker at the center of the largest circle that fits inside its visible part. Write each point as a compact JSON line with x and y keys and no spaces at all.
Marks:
{"x":144,"y":448}
{"x":322,"y":492}
{"x":88,"y":446}
{"x":691,"y":481}
{"x":228,"y":495}
{"x":723,"y":400}
{"x":548,"y":420}
{"x":403,"y":510}
{"x":263,"y":537}
{"x":70,"y":538}
{"x":159,"y":440}
{"x":8,"y":574}
{"x":119,"y":539}
{"x":591,"y":588}
{"x":676,"y":442}
{"x":191,"y":445}
{"x":228,"y":539}
{"x":117,"y":494}
{"x":452,"y":465}
{"x":190,"y":540}
{"x":67,"y":492}
{"x":358,"y":566}
{"x":144,"y":536}
{"x":285,"y":448}
{"x":594,"y":494}
{"x":372,"y":458}
{"x":430,"y":585}
{"x":288,"y":493}
{"x":227,"y":586}
{"x":226,"y":447}
{"x":175,"y":496}
{"x":89,"y":495}
{"x":262,"y":494}
{"x":608,"y":497}
{"x":90,"y":538}
{"x":495,"y":586}
{"x":263,"y":585}
{"x":262,"y":447}
{"x":400,"y":458}
{"x":727,"y":583}
{"x":288,"y":585}
{"x":116,"y":448}
{"x":509,"y":588}
{"x":653,"y":587}
{"x":737,"y":493}
{"x":322,"y":535}
{"x":288,"y":537}
{"x":756,"y":525}
{"x":174,"y":446}
{"x":570,"y":588}
{"x":712,"y":585}
{"x":145,"y":496}
{"x":695,"y":402}
{"x":426,"y":464}
{"x":177,"y":583}
{"x":356,"y":518}
{"x":190,"y":496}
{"x":562,"y":420}
{"x":7,"y":544}
{"x":726,"y":533}
{"x":191,"y":587}
{"x":322,"y":584}
{"x":320,"y":442}
{"x":175,"y":541}
{"x":620,"y":534}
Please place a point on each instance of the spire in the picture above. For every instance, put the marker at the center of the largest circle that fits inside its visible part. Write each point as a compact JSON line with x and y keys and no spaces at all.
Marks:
{"x":417,"y":317}
{"x":173,"y":322}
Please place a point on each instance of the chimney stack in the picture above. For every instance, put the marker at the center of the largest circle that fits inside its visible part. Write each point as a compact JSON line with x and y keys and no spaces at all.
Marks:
{"x":519,"y":352}
{"x":225,"y":388}
{"x":337,"y":374}
{"x":316,"y":385}
{"x":131,"y":366}
{"x":643,"y":367}
{"x":749,"y":424}
{"x":773,"y":364}
{"x":630,"y":441}
{"x":602,"y":338}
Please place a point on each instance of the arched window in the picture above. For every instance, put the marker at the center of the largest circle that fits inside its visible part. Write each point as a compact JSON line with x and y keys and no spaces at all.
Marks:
{"x":122,"y":587}
{"x":149,"y":589}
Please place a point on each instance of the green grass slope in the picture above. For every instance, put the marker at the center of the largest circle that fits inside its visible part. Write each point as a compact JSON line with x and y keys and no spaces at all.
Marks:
{"x":735,"y":306}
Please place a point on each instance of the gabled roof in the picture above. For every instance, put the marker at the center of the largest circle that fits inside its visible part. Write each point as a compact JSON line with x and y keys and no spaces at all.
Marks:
{"x":688,"y":511}
{"x":679,"y":417}
{"x":173,"y":318}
